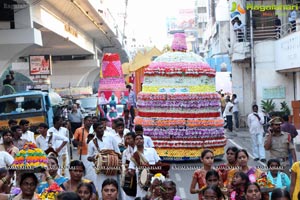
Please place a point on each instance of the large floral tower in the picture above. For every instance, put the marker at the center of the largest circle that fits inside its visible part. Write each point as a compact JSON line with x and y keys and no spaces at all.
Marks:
{"x":178,"y":106}
{"x":111,"y":76}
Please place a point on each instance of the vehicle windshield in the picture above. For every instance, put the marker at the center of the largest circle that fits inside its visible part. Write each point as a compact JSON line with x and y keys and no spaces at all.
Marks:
{"x":89,"y":103}
{"x":30,"y":104}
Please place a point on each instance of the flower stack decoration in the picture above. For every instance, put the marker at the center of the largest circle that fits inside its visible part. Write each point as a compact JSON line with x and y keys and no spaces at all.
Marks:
{"x":51,"y":192}
{"x":265,"y":184}
{"x":111,"y":76}
{"x":30,"y":158}
{"x":178,"y":106}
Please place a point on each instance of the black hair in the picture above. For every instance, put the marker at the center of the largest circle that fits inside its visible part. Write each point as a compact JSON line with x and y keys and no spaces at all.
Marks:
{"x":44,"y":125}
{"x":95,"y":125}
{"x":241,"y":150}
{"x":56,"y":119}
{"x":3,"y":170}
{"x":234,"y":95}
{"x":128,"y":86}
{"x":205,"y":151}
{"x":12,"y":121}
{"x":212,"y":173}
{"x":138,"y":127}
{"x":285,"y":118}
{"x":5,"y":132}
{"x":254,"y":106}
{"x":14,"y":128}
{"x":132,"y":134}
{"x":28,"y":175}
{"x":135,"y":135}
{"x":86,"y":118}
{"x":95,"y":117}
{"x":87,"y":185}
{"x":68,"y":196}
{"x":249,"y":184}
{"x":115,"y":121}
{"x":120,"y":123}
{"x":278,"y":193}
{"x":53,"y":158}
{"x":273,"y":160}
{"x":23,"y":122}
{"x":216,"y":189}
{"x":110,"y":181}
{"x":103,"y":119}
{"x":232,"y":148}
{"x":76,"y":163}
{"x":243,"y":176}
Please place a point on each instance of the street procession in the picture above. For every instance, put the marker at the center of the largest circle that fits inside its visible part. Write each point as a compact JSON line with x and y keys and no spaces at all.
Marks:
{"x":90,"y":112}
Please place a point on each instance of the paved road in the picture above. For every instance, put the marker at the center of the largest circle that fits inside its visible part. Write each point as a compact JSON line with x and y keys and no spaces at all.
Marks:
{"x":182,"y":173}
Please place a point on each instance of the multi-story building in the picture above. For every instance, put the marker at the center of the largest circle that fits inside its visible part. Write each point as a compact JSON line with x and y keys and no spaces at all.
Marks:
{"x":268,"y":69}
{"x":74,"y":33}
{"x":214,"y":35}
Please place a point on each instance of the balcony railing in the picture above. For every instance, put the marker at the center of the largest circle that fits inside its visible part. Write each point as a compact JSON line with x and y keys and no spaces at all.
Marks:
{"x":265,"y":33}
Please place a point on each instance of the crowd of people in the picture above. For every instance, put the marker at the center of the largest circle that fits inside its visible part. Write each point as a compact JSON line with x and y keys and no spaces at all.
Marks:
{"x":122,"y":151}
{"x":115,"y":160}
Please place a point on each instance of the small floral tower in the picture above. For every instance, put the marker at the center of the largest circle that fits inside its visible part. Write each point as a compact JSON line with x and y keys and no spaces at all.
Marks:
{"x":51,"y":192}
{"x":178,"y":105}
{"x":111,"y":76}
{"x":30,"y":158}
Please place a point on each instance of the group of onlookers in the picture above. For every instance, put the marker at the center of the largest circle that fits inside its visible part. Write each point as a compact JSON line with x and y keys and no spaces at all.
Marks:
{"x":237,"y":180}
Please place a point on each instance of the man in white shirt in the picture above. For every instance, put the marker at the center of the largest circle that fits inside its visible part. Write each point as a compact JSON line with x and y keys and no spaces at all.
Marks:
{"x":27,"y":134}
{"x":292,"y":19}
{"x":99,"y":143}
{"x":255,"y":123}
{"x":94,"y":120}
{"x":6,"y":160}
{"x":126,"y":156}
{"x":63,"y":155}
{"x":139,"y":130}
{"x":145,"y":154}
{"x":235,"y":110}
{"x":44,"y":140}
{"x":228,"y":114}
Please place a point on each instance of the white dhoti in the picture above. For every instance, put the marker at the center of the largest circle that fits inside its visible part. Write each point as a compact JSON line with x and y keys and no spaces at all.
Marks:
{"x":89,"y":169}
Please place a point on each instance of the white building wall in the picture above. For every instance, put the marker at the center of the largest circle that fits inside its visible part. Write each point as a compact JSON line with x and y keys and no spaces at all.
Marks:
{"x":267,"y":77}
{"x":241,"y":77}
{"x":55,"y":22}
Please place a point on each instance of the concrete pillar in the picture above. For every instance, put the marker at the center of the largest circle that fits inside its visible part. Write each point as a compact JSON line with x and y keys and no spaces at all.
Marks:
{"x":297,"y":86}
{"x":23,"y":19}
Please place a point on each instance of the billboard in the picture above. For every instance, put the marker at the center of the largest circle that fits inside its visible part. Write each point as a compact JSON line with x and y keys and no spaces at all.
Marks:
{"x":40,"y":65}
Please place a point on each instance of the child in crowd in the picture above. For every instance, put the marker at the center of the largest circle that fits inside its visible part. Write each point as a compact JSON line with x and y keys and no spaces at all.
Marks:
{"x":85,"y":191}
{"x":280,"y":194}
{"x":207,"y":158}
{"x":212,"y":192}
{"x":239,"y":182}
{"x":252,"y":192}
{"x":279,"y":179}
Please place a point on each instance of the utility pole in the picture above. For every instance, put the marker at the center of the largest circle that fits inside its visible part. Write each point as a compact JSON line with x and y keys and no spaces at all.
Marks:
{"x":124,"y":25}
{"x":253,"y":81}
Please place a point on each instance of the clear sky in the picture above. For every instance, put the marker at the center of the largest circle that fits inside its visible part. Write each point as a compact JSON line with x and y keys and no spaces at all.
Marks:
{"x":147,"y":18}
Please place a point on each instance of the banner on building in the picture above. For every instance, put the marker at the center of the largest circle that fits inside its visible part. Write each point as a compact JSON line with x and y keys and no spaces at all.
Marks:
{"x":237,"y":10}
{"x":40,"y":65}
